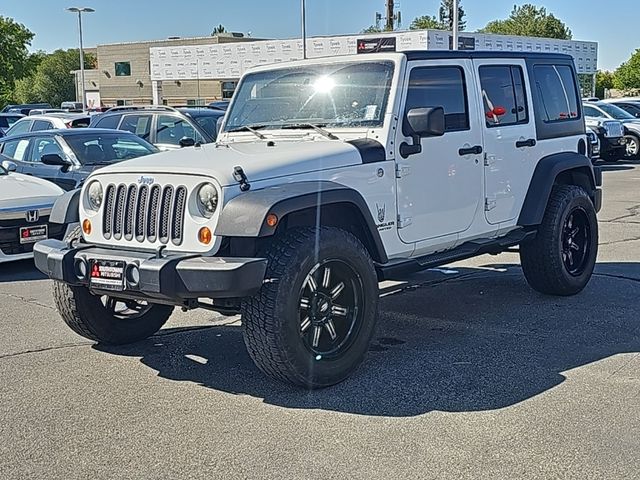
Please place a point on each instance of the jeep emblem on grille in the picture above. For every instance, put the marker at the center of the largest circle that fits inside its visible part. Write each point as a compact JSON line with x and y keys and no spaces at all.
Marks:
{"x":146,"y":180}
{"x":32,"y":216}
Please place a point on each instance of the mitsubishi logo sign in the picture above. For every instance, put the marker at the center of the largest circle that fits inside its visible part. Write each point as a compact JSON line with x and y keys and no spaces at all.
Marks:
{"x":32,"y":216}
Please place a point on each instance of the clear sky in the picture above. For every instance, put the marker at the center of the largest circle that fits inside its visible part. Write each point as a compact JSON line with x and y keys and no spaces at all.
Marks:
{"x":130,"y":20}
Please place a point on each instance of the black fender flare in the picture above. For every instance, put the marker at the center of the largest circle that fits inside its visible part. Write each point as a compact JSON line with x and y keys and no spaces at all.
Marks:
{"x":544,"y":177}
{"x":245,"y":215}
{"x":66,"y":208}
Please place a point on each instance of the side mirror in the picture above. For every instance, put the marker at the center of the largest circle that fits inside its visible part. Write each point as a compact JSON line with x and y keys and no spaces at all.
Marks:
{"x":55,"y":160}
{"x":424,"y":122}
{"x":9,"y":166}
{"x":187,"y":142}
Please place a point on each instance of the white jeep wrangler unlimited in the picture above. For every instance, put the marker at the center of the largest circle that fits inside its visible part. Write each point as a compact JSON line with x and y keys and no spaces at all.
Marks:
{"x":328,"y":176}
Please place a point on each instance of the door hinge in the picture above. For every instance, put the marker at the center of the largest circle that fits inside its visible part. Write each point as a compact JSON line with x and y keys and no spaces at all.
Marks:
{"x":404,"y":221}
{"x":489,"y":204}
{"x":489,"y":160}
{"x":402,"y":170}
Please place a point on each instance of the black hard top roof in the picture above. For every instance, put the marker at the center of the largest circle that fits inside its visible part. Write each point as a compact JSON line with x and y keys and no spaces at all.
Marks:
{"x":445,"y":54}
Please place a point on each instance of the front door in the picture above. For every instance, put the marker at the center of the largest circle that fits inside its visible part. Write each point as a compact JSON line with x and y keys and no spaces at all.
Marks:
{"x":509,"y":136}
{"x":33,"y":162}
{"x":439,"y":189}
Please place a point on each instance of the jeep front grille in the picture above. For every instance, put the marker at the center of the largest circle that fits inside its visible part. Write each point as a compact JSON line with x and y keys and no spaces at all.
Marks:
{"x":613,"y":129}
{"x":146,"y":213}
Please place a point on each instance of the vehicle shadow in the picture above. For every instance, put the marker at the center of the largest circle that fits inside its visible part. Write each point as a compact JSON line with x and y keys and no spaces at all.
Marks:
{"x":20,"y":271}
{"x":619,"y":165}
{"x":476,"y":340}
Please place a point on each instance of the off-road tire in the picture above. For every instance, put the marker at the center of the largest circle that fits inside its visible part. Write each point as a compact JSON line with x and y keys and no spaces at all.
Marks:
{"x":271,"y":318}
{"x":542,"y":258}
{"x":86,"y":315}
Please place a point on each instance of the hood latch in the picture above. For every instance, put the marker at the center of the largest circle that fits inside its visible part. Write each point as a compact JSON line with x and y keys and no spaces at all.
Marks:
{"x":240,"y":177}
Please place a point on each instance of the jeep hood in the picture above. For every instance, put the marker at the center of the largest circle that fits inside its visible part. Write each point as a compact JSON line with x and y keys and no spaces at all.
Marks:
{"x":259,"y":160}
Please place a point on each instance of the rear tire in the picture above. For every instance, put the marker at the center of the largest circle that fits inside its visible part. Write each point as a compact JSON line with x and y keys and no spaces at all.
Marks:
{"x":312,"y":321}
{"x":561,"y":259}
{"x":633,"y":146}
{"x":99,"y":319}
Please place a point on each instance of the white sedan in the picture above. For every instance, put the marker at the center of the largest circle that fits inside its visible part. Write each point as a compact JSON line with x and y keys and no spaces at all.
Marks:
{"x":25,"y":206}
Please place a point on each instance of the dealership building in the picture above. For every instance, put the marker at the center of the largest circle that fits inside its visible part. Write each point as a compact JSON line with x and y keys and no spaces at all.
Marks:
{"x":196,"y":71}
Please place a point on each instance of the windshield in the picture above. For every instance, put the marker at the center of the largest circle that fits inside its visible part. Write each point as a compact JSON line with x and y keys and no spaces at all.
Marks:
{"x":335,"y":95}
{"x":616,"y":112}
{"x":92,"y":149}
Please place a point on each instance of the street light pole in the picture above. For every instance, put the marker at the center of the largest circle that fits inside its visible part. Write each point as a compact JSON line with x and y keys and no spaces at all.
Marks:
{"x":79,"y":11}
{"x":455,"y":25}
{"x":304,"y":29}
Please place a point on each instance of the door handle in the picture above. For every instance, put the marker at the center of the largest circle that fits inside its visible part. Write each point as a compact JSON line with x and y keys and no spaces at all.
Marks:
{"x":531,"y":142}
{"x":477,"y":150}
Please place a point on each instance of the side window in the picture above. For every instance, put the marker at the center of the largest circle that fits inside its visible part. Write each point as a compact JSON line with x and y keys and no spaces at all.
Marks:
{"x":39,"y":125}
{"x":110,"y":121}
{"x":43,"y":146}
{"x":15,"y":149}
{"x":503,"y":94}
{"x":137,"y":124}
{"x":590,"y":111}
{"x":171,"y":129}
{"x":557,"y":87}
{"x":439,"y":87}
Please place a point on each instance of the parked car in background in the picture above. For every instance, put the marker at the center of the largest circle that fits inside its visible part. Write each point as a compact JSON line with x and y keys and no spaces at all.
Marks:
{"x":220,"y":105}
{"x":166,"y":127}
{"x":66,"y":157}
{"x":44,"y":111}
{"x":613,"y":145}
{"x":8,"y":119}
{"x":77,"y":106}
{"x":25,"y":205}
{"x":594,"y":144}
{"x":24,"y":108}
{"x":604,"y":110}
{"x":629,"y":105}
{"x":49,"y":122}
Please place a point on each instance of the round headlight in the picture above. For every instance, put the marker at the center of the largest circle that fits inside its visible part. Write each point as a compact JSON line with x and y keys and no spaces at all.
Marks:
{"x":207,"y":199}
{"x":94,"y":195}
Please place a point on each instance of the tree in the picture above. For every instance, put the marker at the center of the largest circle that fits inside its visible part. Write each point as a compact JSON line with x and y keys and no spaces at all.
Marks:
{"x":426,"y":22}
{"x":219,"y":29}
{"x":14,"y":56}
{"x":446,"y":16}
{"x":530,"y":21}
{"x":372,"y":29}
{"x":52,"y":81}
{"x":627,"y":76}
{"x":604,"y":81}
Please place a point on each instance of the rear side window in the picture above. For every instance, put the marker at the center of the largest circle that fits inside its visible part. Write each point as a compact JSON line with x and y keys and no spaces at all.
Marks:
{"x":503,"y":94}
{"x":80,"y":122}
{"x":557,"y":87}
{"x":137,"y":124}
{"x":15,"y":149}
{"x":39,"y":125}
{"x":439,"y":87}
{"x":109,"y":121}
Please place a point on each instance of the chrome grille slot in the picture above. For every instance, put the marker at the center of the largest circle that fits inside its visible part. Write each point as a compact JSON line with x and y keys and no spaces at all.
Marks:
{"x":143,"y":196}
{"x":165,"y":214}
{"x":177,"y":225}
{"x":145,"y":213}
{"x":107,"y":223}
{"x":130,"y":211}
{"x":152,"y":214}
{"x":118,"y":212}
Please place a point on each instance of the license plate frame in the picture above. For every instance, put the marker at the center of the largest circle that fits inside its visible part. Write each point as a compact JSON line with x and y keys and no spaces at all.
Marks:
{"x":107,"y":274}
{"x":33,"y":234}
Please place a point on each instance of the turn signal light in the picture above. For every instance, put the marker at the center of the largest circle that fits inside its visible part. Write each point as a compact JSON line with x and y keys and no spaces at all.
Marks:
{"x":205,"y":236}
{"x":86,"y":226}
{"x":272,"y":220}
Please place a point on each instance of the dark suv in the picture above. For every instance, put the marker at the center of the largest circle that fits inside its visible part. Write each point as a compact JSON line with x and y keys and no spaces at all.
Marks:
{"x":165,"y":127}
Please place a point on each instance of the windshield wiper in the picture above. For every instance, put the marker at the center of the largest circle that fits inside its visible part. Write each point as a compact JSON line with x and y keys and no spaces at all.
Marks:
{"x":250,"y":128}
{"x":313,"y":126}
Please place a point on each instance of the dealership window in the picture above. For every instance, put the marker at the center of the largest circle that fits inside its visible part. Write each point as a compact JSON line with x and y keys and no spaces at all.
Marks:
{"x":557,"y":87}
{"x":503,"y":95}
{"x":123,"y":69}
{"x":228,"y":88}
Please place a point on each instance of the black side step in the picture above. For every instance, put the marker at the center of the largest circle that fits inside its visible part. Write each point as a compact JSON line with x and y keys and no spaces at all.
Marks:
{"x":470,"y":249}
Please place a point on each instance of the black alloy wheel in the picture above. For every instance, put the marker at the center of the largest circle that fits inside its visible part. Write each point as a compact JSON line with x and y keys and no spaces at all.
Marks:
{"x":576,"y":241}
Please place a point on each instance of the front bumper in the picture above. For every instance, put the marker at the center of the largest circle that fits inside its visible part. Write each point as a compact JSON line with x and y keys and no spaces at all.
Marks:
{"x":168,"y":279}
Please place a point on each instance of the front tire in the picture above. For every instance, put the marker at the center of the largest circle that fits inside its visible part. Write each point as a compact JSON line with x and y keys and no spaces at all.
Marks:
{"x":633,"y":146}
{"x":312,"y":321}
{"x":561,"y":259}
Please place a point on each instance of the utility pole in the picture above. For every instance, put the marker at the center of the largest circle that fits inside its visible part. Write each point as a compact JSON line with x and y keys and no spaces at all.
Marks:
{"x":390,"y":15}
{"x":455,"y":25}
{"x":80,"y":11}
{"x":304,"y":29}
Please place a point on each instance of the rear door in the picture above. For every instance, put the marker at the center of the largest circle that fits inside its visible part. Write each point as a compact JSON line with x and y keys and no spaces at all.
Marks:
{"x":16,"y":150}
{"x":509,"y":136}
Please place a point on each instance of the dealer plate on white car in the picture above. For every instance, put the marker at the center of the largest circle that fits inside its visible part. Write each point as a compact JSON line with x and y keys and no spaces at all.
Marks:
{"x":107,"y":275}
{"x":33,"y":234}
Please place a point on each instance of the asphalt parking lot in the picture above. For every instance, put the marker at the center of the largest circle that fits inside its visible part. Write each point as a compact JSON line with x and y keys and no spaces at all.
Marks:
{"x":471,"y":375}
